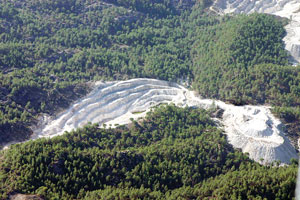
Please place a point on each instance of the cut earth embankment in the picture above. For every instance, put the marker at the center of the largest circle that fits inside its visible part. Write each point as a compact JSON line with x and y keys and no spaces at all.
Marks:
{"x":253,"y":129}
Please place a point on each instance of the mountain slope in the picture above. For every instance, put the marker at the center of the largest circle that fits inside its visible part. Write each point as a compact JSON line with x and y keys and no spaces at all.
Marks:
{"x":173,"y":148}
{"x":253,"y":129}
{"x":287,"y":9}
{"x":50,"y":49}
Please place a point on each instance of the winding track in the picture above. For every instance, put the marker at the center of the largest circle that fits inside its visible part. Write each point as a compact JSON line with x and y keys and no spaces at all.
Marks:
{"x":252,"y":128}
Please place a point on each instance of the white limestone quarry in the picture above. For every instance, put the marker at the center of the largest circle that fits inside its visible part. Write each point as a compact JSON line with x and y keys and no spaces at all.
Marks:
{"x":284,"y":8}
{"x":252,"y":128}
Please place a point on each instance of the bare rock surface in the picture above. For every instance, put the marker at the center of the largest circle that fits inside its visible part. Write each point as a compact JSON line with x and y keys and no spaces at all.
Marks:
{"x":284,"y":8}
{"x":251,"y":128}
{"x":25,"y":197}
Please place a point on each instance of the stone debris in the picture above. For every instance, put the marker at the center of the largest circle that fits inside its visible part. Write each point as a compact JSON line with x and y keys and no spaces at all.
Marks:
{"x":251,"y":128}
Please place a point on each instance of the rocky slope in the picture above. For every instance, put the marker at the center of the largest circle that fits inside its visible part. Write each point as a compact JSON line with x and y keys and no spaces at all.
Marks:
{"x":252,"y":128}
{"x":289,"y":9}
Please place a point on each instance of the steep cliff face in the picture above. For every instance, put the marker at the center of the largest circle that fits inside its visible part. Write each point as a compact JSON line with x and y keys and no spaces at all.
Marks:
{"x":283,"y":8}
{"x":251,"y":128}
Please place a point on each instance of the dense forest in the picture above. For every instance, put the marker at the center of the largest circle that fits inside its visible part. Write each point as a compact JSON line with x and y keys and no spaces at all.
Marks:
{"x":172,"y":153}
{"x":51,"y":50}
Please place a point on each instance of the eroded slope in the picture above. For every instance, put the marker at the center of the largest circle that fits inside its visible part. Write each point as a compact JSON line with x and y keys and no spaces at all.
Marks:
{"x":252,"y":128}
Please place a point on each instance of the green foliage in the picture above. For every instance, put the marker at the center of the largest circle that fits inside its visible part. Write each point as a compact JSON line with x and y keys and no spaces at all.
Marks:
{"x":242,"y":60}
{"x":248,"y":182}
{"x":50,"y":48}
{"x":290,"y":114}
{"x":257,"y":39}
{"x":228,"y":57}
{"x":111,"y":193}
{"x":172,"y":148}
{"x":160,"y":8}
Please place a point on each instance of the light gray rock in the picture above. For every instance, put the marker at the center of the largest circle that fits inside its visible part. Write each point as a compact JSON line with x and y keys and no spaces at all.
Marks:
{"x":251,"y":128}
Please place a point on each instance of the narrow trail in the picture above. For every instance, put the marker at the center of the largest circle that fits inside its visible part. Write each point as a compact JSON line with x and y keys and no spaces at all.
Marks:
{"x":251,"y":128}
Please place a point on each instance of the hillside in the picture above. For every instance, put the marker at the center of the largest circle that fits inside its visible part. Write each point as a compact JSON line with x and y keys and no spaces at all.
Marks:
{"x":174,"y":152}
{"x":50,"y":49}
{"x":249,"y":66}
{"x":52,"y":53}
{"x":253,"y":129}
{"x":281,"y":8}
{"x":121,"y":42}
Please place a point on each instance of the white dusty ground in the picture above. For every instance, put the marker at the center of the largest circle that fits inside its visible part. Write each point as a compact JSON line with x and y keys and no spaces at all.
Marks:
{"x":284,"y":8}
{"x":252,"y":128}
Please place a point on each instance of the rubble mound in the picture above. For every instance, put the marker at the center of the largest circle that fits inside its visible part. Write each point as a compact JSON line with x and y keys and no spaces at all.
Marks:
{"x":251,"y":128}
